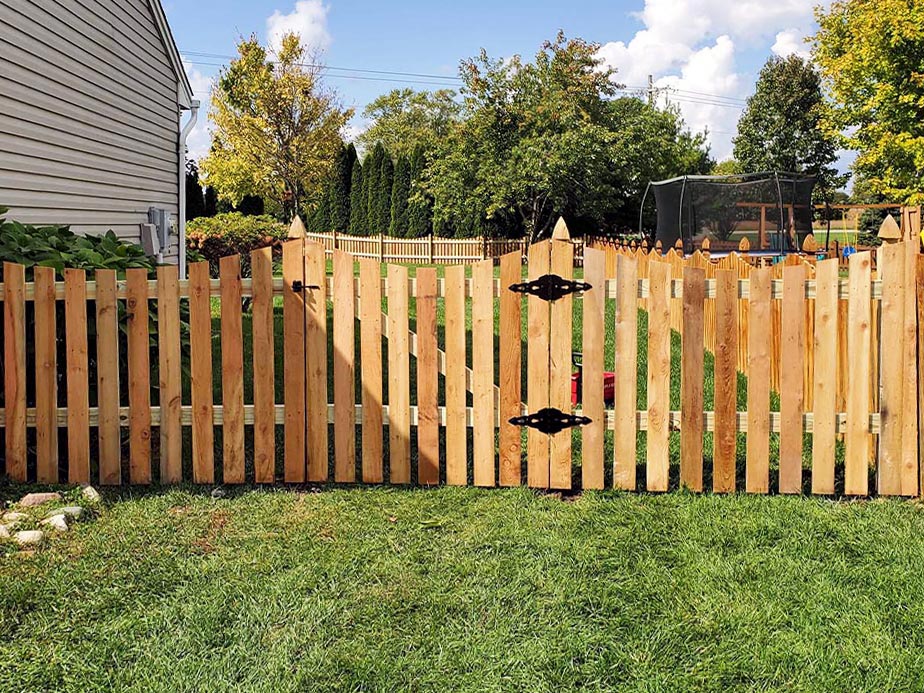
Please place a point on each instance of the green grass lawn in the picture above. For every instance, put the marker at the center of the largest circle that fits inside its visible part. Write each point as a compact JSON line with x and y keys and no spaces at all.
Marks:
{"x":471,"y":590}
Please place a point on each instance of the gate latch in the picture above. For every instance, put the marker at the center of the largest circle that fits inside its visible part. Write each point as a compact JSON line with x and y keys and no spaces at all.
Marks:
{"x":550,"y":287}
{"x":550,"y":420}
{"x":298,"y":286}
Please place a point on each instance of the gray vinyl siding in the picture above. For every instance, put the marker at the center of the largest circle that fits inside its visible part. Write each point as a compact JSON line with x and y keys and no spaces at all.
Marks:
{"x":89,"y":115}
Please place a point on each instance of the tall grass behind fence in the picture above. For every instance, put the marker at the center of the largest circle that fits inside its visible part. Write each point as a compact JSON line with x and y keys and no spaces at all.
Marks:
{"x":411,"y":376}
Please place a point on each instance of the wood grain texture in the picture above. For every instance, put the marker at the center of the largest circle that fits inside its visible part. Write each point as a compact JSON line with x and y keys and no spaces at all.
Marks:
{"x":293,"y":335}
{"x":856,"y":454}
{"x":139,"y":376}
{"x":483,"y":445}
{"x":344,"y":369}
{"x":692,"y":379}
{"x":107,"y":378}
{"x":428,"y":415}
{"x":200,"y":367}
{"x":456,"y":430}
{"x":891,"y":373}
{"x":659,"y":373}
{"x":232,"y":370}
{"x":316,"y":359}
{"x":370,"y":325}
{"x":399,"y":398}
{"x":46,"y":380}
{"x":824,"y":396}
{"x":792,"y":357}
{"x":726,"y":381}
{"x":77,"y":376}
{"x":593,"y":342}
{"x":909,"y":459}
{"x":14,"y":373}
{"x":560,"y":350}
{"x":510,"y":363}
{"x":171,"y":393}
{"x":757,"y":475}
{"x":537,"y":373}
{"x":626,"y":368}
{"x":264,"y":367}
{"x":919,"y":293}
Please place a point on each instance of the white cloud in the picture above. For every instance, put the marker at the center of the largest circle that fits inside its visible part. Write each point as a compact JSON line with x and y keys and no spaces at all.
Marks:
{"x":790,"y":42}
{"x":308,"y":19}
{"x":690,"y":46}
{"x":199,"y":140}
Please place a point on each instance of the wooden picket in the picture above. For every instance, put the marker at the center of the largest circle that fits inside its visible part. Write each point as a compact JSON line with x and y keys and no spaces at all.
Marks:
{"x":843,"y":354}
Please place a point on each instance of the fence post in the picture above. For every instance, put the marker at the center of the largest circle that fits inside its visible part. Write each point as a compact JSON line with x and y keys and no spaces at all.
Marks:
{"x":334,"y":233}
{"x":431,"y":248}
{"x":381,"y":247}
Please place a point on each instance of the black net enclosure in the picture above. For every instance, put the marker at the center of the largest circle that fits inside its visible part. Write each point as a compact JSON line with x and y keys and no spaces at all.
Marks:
{"x":772,"y":209}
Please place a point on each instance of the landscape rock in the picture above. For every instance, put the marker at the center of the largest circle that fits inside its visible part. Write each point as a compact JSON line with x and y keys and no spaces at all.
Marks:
{"x":32,"y":500}
{"x":4,"y":532}
{"x":56,"y":522}
{"x":32,"y":537}
{"x":74,"y":512}
{"x":12,"y":519}
{"x":91,"y":494}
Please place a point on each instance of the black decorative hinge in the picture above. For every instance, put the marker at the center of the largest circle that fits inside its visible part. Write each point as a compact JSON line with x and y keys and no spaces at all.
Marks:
{"x":550,"y":420}
{"x":550,"y":287}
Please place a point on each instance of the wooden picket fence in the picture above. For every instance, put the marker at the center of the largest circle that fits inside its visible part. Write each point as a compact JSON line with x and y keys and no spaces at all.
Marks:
{"x":387,"y":375}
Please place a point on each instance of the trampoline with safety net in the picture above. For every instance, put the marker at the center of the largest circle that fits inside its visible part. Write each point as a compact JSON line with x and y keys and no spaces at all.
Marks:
{"x":772,"y":209}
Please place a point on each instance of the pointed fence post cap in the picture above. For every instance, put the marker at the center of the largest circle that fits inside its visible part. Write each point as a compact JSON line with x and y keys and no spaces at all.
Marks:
{"x":890,"y":230}
{"x":561,"y":233}
{"x":297,"y":228}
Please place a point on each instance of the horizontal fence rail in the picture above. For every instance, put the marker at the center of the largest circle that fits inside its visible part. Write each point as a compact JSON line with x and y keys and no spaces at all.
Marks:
{"x":363,"y":371}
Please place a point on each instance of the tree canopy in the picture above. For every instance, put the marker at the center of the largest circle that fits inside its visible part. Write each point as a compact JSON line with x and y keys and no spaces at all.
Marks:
{"x":546,"y":138}
{"x":404,"y":119}
{"x":782,"y":127}
{"x":276,"y":128}
{"x":871,"y":56}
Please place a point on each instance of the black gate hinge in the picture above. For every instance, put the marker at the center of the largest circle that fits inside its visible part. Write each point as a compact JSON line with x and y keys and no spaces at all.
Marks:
{"x":550,"y":287}
{"x":550,"y":420}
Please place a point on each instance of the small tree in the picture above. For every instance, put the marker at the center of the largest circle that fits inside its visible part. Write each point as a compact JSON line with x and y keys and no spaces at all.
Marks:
{"x":357,"y":201}
{"x":211,"y":202}
{"x":383,"y":195}
{"x":195,"y":201}
{"x":400,"y":192}
{"x":276,"y":129}
{"x":339,"y":199}
{"x":372,"y":177}
{"x":420,"y":204}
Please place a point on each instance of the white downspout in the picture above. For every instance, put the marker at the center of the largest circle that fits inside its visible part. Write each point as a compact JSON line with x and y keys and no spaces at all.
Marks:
{"x":181,"y":216}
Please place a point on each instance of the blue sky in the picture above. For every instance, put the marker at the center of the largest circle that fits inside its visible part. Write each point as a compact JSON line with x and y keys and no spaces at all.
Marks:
{"x":704,"y":54}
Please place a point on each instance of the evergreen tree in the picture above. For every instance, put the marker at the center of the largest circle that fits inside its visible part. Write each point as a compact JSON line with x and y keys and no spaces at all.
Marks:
{"x":251,"y":206}
{"x":420,"y":205}
{"x":339,"y":201}
{"x":195,"y":202}
{"x":211,"y":201}
{"x":400,"y":192}
{"x":383,"y":195}
{"x":372,"y":176}
{"x":357,"y":201}
{"x":318,"y":220}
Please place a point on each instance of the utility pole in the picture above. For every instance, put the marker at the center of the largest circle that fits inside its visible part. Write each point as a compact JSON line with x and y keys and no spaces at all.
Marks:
{"x":651,"y":91}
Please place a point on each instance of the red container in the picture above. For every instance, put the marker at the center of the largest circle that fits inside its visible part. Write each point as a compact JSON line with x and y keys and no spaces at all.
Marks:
{"x":609,"y":387}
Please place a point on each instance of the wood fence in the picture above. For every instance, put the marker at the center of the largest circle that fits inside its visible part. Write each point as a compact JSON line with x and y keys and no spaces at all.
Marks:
{"x":375,"y":373}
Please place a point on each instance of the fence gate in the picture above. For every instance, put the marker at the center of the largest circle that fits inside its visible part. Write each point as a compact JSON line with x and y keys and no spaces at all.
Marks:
{"x":550,"y":288}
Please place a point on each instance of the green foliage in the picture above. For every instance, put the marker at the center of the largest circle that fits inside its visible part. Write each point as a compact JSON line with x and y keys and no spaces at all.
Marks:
{"x":211,"y":201}
{"x":339,"y":196}
{"x":869,"y":239}
{"x":59,"y":247}
{"x":420,"y":204}
{"x":372,"y":177}
{"x":870,"y":55}
{"x":382,"y":218}
{"x":357,"y":201}
{"x":400,"y":192}
{"x":782,"y":127}
{"x":404,"y":119}
{"x":542,"y":139}
{"x":234,"y":233}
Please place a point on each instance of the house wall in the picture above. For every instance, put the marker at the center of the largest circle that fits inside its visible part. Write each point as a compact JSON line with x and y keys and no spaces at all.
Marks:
{"x":88,"y":115}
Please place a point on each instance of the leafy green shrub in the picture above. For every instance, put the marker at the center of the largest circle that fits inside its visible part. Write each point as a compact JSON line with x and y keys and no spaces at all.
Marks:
{"x":868,"y":240}
{"x":233,"y":233}
{"x":59,"y":247}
